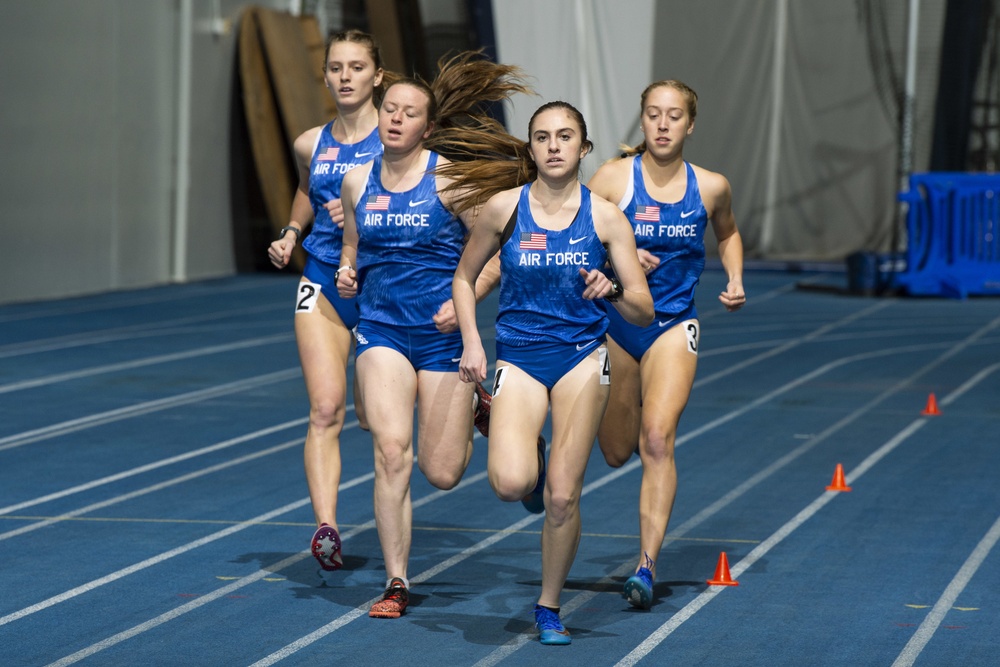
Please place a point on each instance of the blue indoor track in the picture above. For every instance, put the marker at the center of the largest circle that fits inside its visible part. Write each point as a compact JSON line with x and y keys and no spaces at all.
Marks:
{"x":154,"y":510}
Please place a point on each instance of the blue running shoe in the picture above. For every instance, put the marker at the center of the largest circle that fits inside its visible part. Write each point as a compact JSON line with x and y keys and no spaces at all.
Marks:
{"x":534,"y":502}
{"x":550,"y":628}
{"x":639,"y":587}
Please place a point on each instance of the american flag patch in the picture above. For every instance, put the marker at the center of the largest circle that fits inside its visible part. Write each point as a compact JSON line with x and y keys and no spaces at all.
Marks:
{"x":648,"y":213}
{"x":329,"y":155}
{"x":377,"y":203}
{"x":532,"y":241}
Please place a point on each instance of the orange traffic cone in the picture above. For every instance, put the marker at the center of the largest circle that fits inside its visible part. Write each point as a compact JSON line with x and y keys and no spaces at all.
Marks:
{"x":838,"y":483}
{"x":722,"y":577}
{"x":932,"y":409}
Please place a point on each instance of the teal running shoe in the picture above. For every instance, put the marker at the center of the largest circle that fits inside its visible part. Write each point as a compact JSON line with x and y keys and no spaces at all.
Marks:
{"x":639,"y":587}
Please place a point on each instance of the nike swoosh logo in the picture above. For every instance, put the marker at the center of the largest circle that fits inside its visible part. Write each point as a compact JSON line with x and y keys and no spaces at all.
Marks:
{"x":455,"y":361}
{"x":687,"y":214}
{"x":575,"y":241}
{"x":580,"y":347}
{"x":663,"y":324}
{"x":418,"y":203}
{"x":363,"y":154}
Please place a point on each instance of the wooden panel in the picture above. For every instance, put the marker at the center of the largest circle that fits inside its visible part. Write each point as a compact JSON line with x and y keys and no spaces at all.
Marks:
{"x":281,"y":59}
{"x":383,"y":20}
{"x":270,"y":149}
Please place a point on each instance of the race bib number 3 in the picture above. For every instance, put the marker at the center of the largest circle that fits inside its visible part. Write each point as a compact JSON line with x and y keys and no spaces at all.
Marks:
{"x":693,"y":332}
{"x":308,"y":295}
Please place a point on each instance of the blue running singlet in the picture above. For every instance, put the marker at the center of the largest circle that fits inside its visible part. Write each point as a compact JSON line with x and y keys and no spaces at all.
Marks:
{"x":541,"y":289}
{"x":675,"y":233}
{"x":330,"y":161}
{"x":409,"y":245}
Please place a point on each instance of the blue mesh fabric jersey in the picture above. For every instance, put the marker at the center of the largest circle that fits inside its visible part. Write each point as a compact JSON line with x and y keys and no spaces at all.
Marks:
{"x":409,"y":245}
{"x":673,"y":232}
{"x":330,"y":161}
{"x":541,"y":289}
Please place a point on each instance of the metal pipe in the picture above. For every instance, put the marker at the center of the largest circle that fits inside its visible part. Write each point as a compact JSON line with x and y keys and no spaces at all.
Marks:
{"x":182,"y":175}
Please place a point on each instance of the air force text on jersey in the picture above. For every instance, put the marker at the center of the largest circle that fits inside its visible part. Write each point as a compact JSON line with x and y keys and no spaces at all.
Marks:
{"x":397,"y":219}
{"x":327,"y":168}
{"x":671,"y":231}
{"x":568,"y":258}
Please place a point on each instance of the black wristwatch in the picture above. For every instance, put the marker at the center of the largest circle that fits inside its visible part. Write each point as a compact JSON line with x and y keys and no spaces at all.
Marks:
{"x":289,"y":228}
{"x":617,"y":291}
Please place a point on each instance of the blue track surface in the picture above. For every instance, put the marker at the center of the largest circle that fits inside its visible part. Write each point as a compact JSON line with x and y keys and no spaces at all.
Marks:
{"x":153,"y":506}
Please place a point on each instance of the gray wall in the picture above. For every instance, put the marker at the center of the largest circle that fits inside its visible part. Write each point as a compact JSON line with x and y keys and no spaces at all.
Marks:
{"x":91,"y":126}
{"x":90,"y":142}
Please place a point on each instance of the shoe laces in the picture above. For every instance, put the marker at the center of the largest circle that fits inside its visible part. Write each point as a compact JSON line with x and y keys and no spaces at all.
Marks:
{"x":396,"y":592}
{"x":646,"y":571}
{"x":546,"y":619}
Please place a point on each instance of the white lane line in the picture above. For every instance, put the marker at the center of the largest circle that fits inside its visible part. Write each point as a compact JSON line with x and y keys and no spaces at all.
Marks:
{"x":664,"y":631}
{"x":118,"y":414}
{"x":150,"y":489}
{"x":360,"y":610}
{"x":947,"y":600}
{"x":149,"y":562}
{"x":660,"y":634}
{"x":344,"y":620}
{"x":37,"y":346}
{"x":811,"y":336}
{"x":711,"y":510}
{"x":155,"y":464}
{"x":244,"y":581}
{"x":145,"y":361}
{"x":143,"y":300}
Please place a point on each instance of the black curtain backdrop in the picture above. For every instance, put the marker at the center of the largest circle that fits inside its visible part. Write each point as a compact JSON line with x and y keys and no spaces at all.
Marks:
{"x":961,"y":52}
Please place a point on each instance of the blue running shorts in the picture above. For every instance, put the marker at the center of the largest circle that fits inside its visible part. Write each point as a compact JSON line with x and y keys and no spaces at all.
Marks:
{"x":637,"y":340}
{"x":426,"y":348}
{"x":547,"y":362}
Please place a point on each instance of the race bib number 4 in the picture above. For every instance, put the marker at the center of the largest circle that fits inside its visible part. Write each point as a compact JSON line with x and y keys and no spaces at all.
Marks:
{"x":602,"y":356}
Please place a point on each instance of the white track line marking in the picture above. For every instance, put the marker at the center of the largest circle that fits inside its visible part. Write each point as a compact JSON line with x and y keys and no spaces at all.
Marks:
{"x":240,"y":583}
{"x":319,"y":633}
{"x":360,"y":610}
{"x":944,"y":604}
{"x":146,"y":361}
{"x":156,"y":464}
{"x":151,"y":489}
{"x":146,"y":329}
{"x":657,"y":637}
{"x":118,"y":414}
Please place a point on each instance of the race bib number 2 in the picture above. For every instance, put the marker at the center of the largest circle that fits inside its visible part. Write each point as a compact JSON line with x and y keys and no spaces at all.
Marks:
{"x":305,"y":300}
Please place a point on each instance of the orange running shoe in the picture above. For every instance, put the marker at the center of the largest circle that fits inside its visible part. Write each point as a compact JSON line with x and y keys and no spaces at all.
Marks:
{"x":393,"y":602}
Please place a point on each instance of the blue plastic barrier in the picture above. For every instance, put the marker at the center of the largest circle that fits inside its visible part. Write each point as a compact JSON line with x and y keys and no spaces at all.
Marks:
{"x":953,"y":230}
